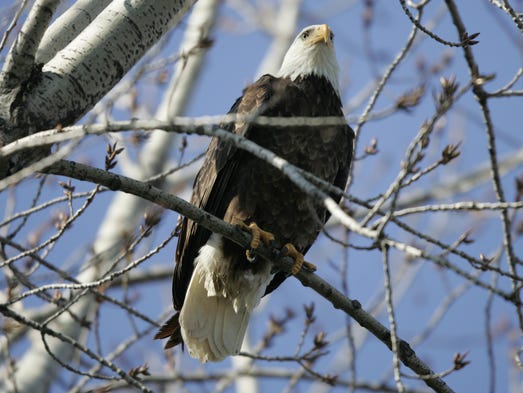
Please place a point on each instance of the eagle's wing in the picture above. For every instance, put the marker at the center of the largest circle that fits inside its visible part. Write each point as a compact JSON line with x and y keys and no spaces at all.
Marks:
{"x":210,"y":190}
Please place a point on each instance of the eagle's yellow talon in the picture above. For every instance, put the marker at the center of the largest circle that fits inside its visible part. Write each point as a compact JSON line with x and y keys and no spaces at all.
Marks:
{"x":299,"y":260}
{"x":258,"y":235}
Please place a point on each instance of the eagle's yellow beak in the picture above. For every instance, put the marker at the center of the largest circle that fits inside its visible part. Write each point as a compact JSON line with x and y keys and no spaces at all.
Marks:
{"x":322,"y":33}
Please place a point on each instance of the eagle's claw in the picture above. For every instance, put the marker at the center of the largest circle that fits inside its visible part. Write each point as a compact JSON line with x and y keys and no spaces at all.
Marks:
{"x":299,"y":261}
{"x":258,"y":235}
{"x":251,"y":257}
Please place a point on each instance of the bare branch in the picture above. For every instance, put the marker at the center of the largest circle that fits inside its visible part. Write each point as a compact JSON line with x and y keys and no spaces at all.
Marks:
{"x":466,"y":39}
{"x":19,"y":66}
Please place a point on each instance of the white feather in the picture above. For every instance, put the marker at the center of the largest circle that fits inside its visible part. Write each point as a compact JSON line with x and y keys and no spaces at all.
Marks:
{"x":218,"y":304}
{"x":303,"y":58}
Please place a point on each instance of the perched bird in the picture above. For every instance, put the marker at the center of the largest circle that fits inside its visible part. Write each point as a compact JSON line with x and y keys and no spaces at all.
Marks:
{"x":216,"y":283}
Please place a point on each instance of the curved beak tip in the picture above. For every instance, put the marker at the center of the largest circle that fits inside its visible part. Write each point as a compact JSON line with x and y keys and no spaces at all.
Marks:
{"x":322,"y":34}
{"x":325,"y":32}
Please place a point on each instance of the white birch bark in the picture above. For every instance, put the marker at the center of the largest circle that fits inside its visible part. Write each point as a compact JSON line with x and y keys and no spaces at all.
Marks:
{"x":86,"y":69}
{"x":66,"y":27}
{"x":83,"y":71}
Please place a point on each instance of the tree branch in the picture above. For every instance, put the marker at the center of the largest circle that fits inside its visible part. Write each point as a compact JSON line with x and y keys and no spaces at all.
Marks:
{"x":67,"y":26}
{"x":20,"y":62}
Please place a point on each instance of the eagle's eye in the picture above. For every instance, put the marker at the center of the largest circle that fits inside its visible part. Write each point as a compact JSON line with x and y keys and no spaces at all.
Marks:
{"x":305,"y":34}
{"x":331,"y":36}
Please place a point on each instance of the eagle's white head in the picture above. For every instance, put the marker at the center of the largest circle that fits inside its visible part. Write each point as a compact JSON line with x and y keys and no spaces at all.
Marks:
{"x":312,"y":53}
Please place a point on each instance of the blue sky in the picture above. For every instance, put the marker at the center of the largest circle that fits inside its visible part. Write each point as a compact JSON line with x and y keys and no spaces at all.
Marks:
{"x":363,"y":54}
{"x":231,"y":65}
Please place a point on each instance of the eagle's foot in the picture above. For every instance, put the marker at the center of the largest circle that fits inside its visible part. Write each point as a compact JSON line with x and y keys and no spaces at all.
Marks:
{"x":299,"y":260}
{"x":258,"y":235}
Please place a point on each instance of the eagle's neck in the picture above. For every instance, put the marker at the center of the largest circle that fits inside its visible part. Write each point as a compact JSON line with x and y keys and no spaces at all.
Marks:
{"x":319,"y":61}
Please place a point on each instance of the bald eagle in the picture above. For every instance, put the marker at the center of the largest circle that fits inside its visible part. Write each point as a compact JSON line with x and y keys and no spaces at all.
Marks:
{"x":217,"y":284}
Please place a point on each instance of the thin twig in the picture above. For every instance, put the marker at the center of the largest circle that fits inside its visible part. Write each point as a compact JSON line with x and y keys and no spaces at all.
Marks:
{"x":392,"y":320}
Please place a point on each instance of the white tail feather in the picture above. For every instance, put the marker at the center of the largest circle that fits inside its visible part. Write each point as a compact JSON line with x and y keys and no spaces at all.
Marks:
{"x":218,"y":304}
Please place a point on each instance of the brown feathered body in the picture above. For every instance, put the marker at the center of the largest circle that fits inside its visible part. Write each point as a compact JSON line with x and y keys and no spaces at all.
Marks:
{"x":215,"y":287}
